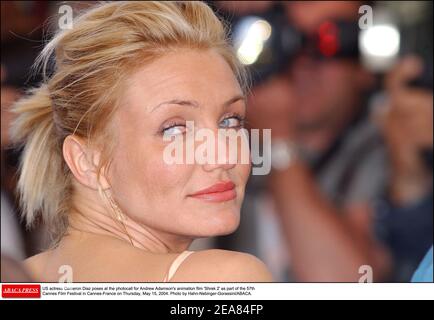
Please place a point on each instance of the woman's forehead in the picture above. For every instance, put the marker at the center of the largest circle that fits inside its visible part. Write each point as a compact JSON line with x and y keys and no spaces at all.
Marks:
{"x":190,"y":76}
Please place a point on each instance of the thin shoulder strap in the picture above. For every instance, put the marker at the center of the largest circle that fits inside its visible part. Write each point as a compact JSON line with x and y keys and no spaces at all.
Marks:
{"x":175,"y":264}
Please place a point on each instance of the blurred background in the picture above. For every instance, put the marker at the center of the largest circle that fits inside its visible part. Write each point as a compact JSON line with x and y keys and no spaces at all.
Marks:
{"x":350,"y":83}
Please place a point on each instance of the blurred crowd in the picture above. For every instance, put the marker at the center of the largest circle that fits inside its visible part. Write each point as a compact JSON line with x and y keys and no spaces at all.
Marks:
{"x":360,"y":195}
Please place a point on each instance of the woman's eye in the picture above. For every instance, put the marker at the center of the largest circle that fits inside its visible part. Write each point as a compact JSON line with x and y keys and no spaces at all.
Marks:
{"x":174,"y":130}
{"x":232,"y":122}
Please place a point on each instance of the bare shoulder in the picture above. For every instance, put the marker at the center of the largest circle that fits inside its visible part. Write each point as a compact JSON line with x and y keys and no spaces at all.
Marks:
{"x":222,"y":266}
{"x":116,"y":261}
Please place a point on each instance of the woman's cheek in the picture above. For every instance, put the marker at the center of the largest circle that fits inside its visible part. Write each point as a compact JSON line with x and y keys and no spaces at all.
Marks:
{"x":244,"y":171}
{"x":166,"y":178}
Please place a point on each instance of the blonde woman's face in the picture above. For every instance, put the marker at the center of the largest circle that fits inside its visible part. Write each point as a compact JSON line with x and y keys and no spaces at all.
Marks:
{"x":187,"y":85}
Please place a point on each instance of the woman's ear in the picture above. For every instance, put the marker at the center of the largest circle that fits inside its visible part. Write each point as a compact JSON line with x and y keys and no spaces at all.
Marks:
{"x":83,"y":161}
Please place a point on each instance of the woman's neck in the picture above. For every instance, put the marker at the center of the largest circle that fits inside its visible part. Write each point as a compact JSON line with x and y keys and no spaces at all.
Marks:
{"x":90,"y":216}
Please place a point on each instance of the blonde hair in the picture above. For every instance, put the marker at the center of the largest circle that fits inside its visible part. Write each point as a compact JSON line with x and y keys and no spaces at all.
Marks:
{"x":91,"y":62}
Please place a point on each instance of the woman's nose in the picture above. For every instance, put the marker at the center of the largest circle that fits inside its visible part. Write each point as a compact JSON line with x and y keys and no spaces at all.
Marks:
{"x":226,"y":152}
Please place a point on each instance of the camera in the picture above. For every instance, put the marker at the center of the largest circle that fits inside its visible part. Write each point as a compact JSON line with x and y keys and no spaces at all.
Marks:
{"x":267,"y":43}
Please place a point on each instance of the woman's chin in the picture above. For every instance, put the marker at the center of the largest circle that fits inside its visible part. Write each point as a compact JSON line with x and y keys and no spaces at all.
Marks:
{"x":221,"y":223}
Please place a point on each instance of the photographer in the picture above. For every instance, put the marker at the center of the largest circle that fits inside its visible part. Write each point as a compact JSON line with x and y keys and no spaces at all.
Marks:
{"x":405,"y":219}
{"x":322,"y":200}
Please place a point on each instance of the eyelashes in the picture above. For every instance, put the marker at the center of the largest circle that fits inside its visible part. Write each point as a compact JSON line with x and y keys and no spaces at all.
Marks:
{"x":231,"y":121}
{"x":172,"y":127}
{"x":239,"y":121}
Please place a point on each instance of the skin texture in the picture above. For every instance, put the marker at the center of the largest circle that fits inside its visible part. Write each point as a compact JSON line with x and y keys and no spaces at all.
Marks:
{"x":160,"y":218}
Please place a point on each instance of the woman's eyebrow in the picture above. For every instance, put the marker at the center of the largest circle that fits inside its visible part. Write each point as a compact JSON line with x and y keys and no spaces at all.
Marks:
{"x":189,"y":103}
{"x":234,"y":99}
{"x":195,"y":104}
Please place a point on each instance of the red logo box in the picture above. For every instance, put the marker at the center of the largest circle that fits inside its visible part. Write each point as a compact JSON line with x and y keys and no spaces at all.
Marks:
{"x":21,"y":290}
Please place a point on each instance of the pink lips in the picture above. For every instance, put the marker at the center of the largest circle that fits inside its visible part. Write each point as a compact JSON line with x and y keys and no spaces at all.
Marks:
{"x":222,"y":191}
